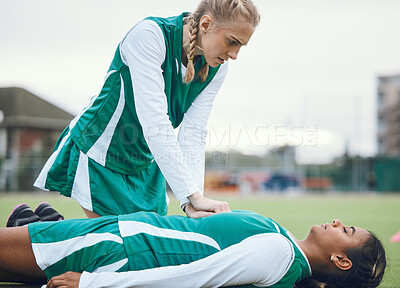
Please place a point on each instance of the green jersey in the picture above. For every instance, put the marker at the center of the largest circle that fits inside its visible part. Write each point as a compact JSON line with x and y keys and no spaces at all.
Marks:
{"x":151,"y":240}
{"x":109,"y":131}
{"x":148,"y":250}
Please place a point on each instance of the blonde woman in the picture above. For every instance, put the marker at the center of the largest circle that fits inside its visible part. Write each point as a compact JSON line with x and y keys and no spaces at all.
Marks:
{"x":115,"y":156}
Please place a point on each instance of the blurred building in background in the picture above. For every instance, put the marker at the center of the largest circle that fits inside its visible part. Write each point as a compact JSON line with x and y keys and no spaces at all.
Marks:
{"x":388,"y":128}
{"x":29,"y":128}
{"x":387,"y":163}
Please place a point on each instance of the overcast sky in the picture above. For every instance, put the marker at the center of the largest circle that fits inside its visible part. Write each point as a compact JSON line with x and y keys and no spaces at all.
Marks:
{"x":308,"y":76}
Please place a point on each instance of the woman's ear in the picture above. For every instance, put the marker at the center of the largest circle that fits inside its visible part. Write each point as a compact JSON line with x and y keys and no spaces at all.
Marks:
{"x":205,"y":23}
{"x":341,"y":261}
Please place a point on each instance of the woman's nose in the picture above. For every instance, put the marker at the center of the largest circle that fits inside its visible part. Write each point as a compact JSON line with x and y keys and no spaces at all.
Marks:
{"x":233,"y":53}
{"x":336,"y":223}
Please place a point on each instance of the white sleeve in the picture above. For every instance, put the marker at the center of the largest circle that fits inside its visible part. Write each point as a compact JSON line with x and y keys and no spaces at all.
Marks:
{"x":143,"y":51}
{"x":193,"y":129}
{"x":261,"y":260}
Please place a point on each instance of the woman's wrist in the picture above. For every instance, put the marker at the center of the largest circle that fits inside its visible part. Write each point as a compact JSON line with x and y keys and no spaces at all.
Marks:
{"x":194,"y":197}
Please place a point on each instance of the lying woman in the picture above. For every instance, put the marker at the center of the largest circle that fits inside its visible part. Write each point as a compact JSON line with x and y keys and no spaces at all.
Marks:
{"x":145,"y":249}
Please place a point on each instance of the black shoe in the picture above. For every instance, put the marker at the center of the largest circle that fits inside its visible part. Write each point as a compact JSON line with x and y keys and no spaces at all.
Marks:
{"x":22,"y":215}
{"x":47,"y":213}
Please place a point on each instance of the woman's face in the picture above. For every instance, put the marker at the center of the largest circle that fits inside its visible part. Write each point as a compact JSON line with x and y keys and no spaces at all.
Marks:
{"x":222,"y":42}
{"x":336,"y":237}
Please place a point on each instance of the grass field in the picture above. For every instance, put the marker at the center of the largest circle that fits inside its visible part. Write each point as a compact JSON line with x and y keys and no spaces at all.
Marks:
{"x":378,"y":213}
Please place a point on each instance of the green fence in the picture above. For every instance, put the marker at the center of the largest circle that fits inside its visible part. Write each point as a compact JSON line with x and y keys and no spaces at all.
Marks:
{"x":387,"y":172}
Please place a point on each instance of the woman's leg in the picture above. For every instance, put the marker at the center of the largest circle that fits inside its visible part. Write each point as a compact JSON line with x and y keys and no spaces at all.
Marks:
{"x":16,"y":256}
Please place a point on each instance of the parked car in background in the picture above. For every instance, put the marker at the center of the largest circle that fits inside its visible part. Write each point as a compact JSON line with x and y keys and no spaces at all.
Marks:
{"x":281,"y":182}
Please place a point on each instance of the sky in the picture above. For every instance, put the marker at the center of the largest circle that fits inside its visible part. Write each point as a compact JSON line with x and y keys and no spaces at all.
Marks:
{"x":308,"y":76}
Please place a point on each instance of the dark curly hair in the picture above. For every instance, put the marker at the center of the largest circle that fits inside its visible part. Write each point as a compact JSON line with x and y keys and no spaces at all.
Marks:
{"x":369,"y":263}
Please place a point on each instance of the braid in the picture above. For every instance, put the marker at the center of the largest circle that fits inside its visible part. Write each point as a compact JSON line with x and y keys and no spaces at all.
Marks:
{"x":190,"y":54}
{"x":203,"y":73}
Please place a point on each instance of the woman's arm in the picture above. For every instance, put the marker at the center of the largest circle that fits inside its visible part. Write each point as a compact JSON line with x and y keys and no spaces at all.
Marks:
{"x":261,"y":260}
{"x":193,"y":129}
{"x":143,"y":50}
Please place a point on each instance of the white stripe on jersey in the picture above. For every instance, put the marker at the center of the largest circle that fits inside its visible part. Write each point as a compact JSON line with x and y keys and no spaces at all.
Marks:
{"x":98,"y":151}
{"x":108,"y":74}
{"x":276,"y":227}
{"x":81,"y":188}
{"x":130,"y":228}
{"x":111,"y":267}
{"x":47,"y":254}
{"x":42,"y":178}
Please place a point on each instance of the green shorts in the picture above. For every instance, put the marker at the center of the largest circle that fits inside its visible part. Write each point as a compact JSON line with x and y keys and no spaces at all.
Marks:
{"x":99,"y":189}
{"x":92,"y":245}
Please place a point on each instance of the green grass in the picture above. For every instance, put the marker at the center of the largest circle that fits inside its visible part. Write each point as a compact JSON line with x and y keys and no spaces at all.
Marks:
{"x":380,"y":214}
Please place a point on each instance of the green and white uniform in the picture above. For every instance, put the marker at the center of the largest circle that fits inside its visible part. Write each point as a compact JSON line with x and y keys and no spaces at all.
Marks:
{"x":149,"y":250}
{"x":105,"y":158}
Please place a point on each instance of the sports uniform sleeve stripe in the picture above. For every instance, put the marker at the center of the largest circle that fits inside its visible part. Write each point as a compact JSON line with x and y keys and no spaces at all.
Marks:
{"x":130,"y":228}
{"x":261,"y":260}
{"x":112,"y":267}
{"x":144,"y":50}
{"x":47,"y":254}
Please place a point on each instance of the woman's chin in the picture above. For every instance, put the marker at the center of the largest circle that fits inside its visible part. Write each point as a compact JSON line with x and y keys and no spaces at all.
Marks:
{"x":214,"y":64}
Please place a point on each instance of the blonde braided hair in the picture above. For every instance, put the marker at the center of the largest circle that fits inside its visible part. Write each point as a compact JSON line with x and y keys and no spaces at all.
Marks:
{"x":223,"y":11}
{"x":190,"y":72}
